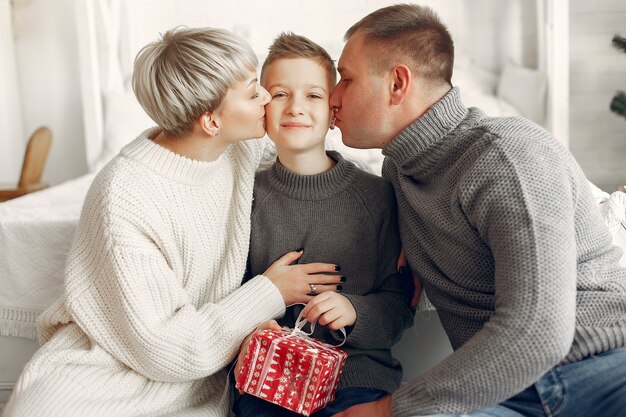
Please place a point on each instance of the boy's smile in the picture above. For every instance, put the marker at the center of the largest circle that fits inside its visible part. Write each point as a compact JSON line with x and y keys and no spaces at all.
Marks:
{"x":294,"y":125}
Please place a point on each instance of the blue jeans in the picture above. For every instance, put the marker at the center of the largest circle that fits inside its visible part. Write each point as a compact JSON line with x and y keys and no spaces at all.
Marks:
{"x":595,"y":386}
{"x":251,"y":406}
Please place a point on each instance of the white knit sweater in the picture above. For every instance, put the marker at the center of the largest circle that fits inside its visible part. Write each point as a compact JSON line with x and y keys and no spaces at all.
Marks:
{"x":153,"y":307}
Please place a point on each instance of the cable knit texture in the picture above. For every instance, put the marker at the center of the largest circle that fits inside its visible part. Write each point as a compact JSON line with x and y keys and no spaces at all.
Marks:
{"x":498,"y":220}
{"x":154,"y":309}
{"x":347,"y":217}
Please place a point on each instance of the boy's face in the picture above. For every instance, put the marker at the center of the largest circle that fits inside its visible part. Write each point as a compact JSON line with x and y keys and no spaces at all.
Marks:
{"x":298,"y":117}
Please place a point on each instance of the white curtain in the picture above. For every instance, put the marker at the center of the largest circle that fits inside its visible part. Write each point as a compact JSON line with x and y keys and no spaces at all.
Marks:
{"x":11,"y":130}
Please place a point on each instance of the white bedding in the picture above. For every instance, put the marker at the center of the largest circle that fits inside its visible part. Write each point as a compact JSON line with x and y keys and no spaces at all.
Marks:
{"x":36,"y":232}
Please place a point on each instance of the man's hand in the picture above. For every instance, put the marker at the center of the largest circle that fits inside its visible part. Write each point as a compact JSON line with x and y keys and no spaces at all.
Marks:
{"x":243,"y":349}
{"x":380,"y":408}
{"x":330,"y":309}
{"x":403,"y":265}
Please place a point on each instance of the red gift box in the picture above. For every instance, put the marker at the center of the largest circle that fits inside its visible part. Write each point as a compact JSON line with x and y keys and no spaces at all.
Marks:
{"x":291,"y":370}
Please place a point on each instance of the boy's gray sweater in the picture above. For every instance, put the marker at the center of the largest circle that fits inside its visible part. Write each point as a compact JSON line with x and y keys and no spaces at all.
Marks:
{"x":498,"y":220}
{"x":347,"y":217}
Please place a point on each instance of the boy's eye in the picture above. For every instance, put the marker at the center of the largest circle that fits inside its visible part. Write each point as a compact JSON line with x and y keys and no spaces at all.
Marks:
{"x":279,"y":95}
{"x":315,"y":96}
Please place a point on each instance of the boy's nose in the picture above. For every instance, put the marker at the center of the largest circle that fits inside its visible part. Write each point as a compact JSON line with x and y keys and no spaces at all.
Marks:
{"x":295,"y":107}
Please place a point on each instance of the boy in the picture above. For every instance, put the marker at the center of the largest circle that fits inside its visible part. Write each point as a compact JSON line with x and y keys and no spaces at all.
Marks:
{"x":320,"y":202}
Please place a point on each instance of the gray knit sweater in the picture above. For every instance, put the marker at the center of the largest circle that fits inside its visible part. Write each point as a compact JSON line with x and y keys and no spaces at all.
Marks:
{"x":498,"y":220}
{"x":347,"y":217}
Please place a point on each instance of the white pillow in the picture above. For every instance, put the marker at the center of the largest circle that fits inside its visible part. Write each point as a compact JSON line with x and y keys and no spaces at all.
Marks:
{"x":471,"y":77}
{"x":124,"y":120}
{"x":490,"y":104}
{"x":525,"y":89}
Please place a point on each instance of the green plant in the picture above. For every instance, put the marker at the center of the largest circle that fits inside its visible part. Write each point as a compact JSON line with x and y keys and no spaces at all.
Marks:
{"x":618,"y":104}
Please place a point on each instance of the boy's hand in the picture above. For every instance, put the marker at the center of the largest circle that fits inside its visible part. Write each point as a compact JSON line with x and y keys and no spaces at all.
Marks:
{"x":380,"y":408}
{"x":403,"y":265}
{"x":331,"y":309}
{"x":296,"y":282}
{"x":243,"y":349}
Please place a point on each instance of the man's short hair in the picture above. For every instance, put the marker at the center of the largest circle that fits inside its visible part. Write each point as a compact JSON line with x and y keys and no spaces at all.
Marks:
{"x":187,"y":73}
{"x":411,"y":31}
{"x":290,"y":45}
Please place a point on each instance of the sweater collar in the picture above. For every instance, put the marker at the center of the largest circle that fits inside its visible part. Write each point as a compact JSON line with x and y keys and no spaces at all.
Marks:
{"x":313,"y":187}
{"x":169,"y":164}
{"x":443,"y":117}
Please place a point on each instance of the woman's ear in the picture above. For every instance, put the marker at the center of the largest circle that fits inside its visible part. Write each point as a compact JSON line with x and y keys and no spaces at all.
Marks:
{"x":210,"y":123}
{"x":401,"y":83}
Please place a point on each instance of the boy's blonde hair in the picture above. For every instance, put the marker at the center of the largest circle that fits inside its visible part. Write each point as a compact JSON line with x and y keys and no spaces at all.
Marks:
{"x":409,"y":31}
{"x":187,"y":73}
{"x":290,"y":45}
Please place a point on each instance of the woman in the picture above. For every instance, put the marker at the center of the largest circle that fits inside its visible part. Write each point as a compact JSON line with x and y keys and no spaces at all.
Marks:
{"x":153,"y":309}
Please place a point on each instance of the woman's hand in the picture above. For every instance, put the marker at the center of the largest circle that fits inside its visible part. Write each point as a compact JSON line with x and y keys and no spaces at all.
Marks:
{"x":299,"y":283}
{"x":243,"y":349}
{"x":330,"y":309}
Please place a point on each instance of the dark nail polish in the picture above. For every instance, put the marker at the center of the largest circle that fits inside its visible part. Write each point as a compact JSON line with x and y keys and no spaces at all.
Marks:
{"x":299,"y":250}
{"x":339,"y":287}
{"x":342,"y":279}
{"x":337,"y":268}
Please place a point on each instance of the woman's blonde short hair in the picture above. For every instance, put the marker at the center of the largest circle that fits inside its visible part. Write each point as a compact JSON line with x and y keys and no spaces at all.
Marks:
{"x":187,"y":73}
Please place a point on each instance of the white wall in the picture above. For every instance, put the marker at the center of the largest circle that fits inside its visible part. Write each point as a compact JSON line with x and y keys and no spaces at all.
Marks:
{"x":47,"y":62}
{"x":597,"y":71}
{"x":10,"y":106}
{"x":47,"y":59}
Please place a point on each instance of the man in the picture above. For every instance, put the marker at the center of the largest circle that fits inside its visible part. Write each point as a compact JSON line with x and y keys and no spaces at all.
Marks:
{"x":498,"y":221}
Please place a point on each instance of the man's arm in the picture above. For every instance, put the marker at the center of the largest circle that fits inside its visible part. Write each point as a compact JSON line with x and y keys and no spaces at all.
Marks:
{"x":529,"y":228}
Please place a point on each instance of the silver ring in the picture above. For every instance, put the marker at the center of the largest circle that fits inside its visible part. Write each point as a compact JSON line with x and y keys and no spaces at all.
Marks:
{"x":313,"y":288}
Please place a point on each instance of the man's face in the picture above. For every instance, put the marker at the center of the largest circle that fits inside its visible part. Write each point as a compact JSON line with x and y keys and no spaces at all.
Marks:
{"x":359,"y":99}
